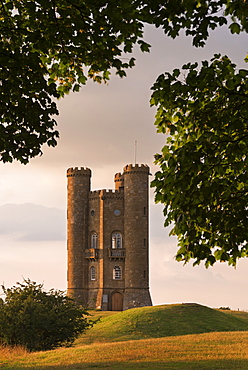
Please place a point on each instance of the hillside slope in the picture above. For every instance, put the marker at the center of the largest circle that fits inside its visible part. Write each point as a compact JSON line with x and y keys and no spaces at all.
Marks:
{"x":162,"y":321}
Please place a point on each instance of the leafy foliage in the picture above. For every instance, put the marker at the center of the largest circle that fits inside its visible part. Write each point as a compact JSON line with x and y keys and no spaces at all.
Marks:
{"x":39,"y":320}
{"x":49,"y":48}
{"x":203,"y":166}
{"x":45,"y":49}
{"x":196,"y":17}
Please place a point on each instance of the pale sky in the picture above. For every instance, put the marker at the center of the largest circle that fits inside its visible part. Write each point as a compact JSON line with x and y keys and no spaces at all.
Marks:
{"x":98,"y":127}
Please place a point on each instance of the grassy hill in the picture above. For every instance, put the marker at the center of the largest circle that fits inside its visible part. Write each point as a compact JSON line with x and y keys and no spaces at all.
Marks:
{"x":163,"y":321}
{"x":215,"y":351}
{"x":149,"y":338}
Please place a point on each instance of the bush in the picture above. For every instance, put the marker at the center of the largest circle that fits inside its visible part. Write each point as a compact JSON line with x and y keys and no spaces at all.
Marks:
{"x":39,"y":320}
{"x":224,"y":308}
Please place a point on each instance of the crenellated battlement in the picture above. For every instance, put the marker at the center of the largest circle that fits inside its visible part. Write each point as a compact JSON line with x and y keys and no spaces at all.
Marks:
{"x":95,"y":193}
{"x":78,"y":171}
{"x":118,"y":176}
{"x":106,"y":193}
{"x":140,"y":168}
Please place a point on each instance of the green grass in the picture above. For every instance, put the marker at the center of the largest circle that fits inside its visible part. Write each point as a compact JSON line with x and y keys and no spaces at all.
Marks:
{"x":187,"y":336}
{"x":226,"y":351}
{"x":239,"y":314}
{"x":163,"y":321}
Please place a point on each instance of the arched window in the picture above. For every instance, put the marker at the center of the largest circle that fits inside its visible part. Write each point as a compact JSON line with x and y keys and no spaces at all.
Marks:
{"x":117,"y":273}
{"x":116,"y":240}
{"x":92,"y":273}
{"x":94,"y":240}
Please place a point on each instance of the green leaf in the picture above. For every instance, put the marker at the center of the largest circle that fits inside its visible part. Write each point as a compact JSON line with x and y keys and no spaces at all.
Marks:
{"x":235,"y":28}
{"x":144,"y":46}
{"x":76,"y":88}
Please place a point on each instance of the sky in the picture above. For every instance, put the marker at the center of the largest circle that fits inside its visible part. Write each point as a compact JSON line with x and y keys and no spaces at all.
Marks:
{"x":98,"y":128}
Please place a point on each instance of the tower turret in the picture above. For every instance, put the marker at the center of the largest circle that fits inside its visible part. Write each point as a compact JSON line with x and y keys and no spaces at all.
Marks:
{"x":118,"y":181}
{"x":77,"y":241}
{"x":136,"y":212}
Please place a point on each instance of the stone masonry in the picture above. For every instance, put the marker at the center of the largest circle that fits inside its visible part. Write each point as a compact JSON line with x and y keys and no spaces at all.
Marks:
{"x":108,"y":240}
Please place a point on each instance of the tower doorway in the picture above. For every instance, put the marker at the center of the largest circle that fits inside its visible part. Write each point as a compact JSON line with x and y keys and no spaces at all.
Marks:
{"x":117,"y":302}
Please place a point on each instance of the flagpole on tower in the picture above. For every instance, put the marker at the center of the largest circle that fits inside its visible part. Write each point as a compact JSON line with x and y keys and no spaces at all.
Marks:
{"x":135,"y":151}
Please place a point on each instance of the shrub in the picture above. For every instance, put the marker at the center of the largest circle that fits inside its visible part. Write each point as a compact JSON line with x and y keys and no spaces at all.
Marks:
{"x":224,"y":308}
{"x":39,"y":320}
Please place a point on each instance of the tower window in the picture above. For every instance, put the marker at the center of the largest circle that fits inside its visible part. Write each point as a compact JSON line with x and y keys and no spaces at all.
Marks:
{"x":117,"y":273}
{"x":144,"y":243}
{"x":144,"y":211}
{"x":94,"y":240}
{"x":92,"y":273}
{"x":144,"y":274}
{"x":116,"y":240}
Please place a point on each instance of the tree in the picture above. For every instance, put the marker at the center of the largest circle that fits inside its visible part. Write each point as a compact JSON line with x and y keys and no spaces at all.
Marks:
{"x":48,"y":48}
{"x":39,"y":320}
{"x":203,"y":177}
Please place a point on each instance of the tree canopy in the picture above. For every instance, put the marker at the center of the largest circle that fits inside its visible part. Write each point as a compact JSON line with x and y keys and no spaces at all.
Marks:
{"x":39,"y":320}
{"x":203,"y":175}
{"x":48,"y":48}
{"x":203,"y":178}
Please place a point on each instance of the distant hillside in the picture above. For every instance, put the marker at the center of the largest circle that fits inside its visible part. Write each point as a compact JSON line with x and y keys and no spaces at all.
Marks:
{"x":32,"y":222}
{"x":162,"y":321}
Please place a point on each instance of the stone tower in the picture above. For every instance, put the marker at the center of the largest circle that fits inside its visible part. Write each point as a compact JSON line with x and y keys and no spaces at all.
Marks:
{"x":108,"y":240}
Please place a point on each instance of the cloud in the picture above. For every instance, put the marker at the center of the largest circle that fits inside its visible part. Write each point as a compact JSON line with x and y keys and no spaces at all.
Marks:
{"x":31,"y":222}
